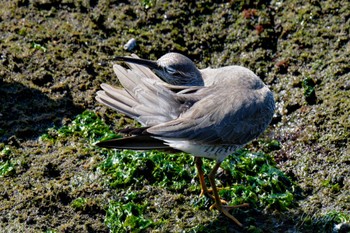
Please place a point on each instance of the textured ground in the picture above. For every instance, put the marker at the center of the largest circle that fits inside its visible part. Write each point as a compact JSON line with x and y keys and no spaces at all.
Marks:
{"x":55,"y":54}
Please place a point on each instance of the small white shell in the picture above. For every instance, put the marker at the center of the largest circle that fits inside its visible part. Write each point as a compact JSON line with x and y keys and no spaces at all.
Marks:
{"x":130,"y":45}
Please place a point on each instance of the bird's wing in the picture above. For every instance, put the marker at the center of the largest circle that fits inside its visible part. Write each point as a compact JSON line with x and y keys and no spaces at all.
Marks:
{"x":144,"y":98}
{"x":217,"y":119}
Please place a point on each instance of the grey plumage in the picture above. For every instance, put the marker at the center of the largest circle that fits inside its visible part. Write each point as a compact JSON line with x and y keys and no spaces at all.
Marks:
{"x":230,"y":106}
{"x":208,"y":113}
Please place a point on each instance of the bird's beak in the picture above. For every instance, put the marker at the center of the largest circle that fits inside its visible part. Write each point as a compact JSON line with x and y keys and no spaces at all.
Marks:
{"x":158,"y":70}
{"x":150,"y":64}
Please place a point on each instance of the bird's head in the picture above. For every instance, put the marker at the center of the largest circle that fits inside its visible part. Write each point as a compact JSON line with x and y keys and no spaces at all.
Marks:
{"x":173,"y":68}
{"x":177,"y":69}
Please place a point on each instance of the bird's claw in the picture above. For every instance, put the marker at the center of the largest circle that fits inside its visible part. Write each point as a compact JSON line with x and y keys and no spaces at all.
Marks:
{"x":225,"y":208}
{"x":207,"y":193}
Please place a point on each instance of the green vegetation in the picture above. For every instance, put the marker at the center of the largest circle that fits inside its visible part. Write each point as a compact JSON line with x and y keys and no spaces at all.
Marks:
{"x":86,"y":125}
{"x":257,"y":181}
{"x":126,"y":217}
{"x":148,"y":3}
{"x":326,"y":222}
{"x":338,"y":217}
{"x":36,"y":45}
{"x":309,"y":90}
{"x":6,"y":151}
{"x":173,"y":171}
{"x":254,"y":177}
{"x":79,"y":203}
{"x":7,"y":167}
{"x":250,"y":177}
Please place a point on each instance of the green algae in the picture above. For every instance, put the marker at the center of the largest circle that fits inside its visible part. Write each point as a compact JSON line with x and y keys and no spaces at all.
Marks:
{"x":252,"y":177}
{"x":309,"y":90}
{"x":7,"y":168}
{"x":172,"y":171}
{"x":325,"y":222}
{"x":86,"y":125}
{"x":266,"y":187}
{"x":79,"y":203}
{"x":39,"y":47}
{"x":7,"y":165}
{"x":259,"y":182}
{"x":126,"y":217}
{"x":50,"y":231}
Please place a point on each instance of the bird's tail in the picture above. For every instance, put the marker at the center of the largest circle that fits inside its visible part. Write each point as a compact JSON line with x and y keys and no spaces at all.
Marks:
{"x":138,"y":142}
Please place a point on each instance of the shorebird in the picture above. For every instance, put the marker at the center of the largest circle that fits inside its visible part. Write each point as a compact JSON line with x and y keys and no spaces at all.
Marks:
{"x":209,"y":113}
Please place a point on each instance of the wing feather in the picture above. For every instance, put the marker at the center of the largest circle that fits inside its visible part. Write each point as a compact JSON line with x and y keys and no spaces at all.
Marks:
{"x":215,"y":119}
{"x":144,"y":98}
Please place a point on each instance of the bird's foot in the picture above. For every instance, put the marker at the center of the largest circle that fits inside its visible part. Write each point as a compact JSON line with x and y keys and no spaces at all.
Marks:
{"x":209,"y":190}
{"x":207,"y":193}
{"x":225,"y":210}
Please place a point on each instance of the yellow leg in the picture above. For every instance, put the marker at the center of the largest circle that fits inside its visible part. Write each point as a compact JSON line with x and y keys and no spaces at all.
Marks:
{"x":204,"y":189}
{"x":218,"y":204}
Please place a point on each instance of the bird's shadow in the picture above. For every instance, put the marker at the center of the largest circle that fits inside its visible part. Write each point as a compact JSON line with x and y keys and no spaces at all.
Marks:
{"x":26,"y":113}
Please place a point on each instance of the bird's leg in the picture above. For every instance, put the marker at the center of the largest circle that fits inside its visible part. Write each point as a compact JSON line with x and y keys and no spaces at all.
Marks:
{"x":218,"y":204}
{"x":204,"y":189}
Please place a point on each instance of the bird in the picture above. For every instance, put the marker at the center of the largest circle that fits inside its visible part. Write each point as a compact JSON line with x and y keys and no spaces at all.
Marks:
{"x":209,"y":113}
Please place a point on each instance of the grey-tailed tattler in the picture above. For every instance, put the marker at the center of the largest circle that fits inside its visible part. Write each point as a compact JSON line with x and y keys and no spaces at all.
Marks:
{"x":209,"y":113}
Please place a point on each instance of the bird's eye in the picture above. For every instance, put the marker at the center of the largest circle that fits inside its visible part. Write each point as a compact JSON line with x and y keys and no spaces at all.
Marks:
{"x":170,"y":70}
